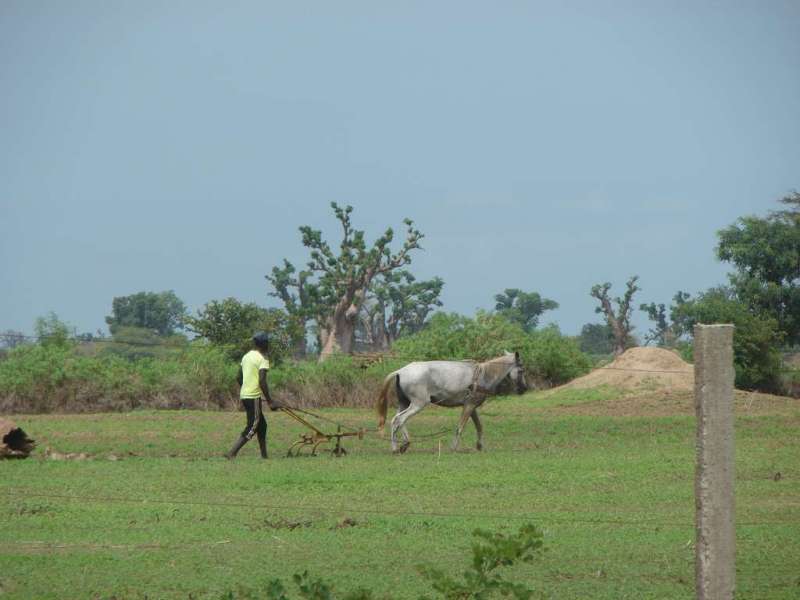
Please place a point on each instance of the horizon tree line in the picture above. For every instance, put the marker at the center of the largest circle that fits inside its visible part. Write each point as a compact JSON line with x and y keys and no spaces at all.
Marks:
{"x":364,"y":296}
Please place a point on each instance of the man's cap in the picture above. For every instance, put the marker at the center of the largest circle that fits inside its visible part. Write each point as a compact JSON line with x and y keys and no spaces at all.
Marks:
{"x":261,"y":339}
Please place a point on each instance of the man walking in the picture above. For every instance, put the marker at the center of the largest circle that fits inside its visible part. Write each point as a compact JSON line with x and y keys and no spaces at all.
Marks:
{"x":252,"y":378}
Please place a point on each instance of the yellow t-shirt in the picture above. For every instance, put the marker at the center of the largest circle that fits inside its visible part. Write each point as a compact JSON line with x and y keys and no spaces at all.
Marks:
{"x":252,"y":363}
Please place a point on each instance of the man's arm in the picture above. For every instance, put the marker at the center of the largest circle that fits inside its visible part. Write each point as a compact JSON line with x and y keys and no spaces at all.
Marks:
{"x":262,"y":383}
{"x":240,"y":377}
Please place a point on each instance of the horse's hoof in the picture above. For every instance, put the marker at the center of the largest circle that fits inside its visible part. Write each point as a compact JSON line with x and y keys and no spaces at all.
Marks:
{"x":403,"y":448}
{"x":479,"y":447}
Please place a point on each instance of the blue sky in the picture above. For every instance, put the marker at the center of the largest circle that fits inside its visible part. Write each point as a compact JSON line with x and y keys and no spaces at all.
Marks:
{"x":546,"y":146}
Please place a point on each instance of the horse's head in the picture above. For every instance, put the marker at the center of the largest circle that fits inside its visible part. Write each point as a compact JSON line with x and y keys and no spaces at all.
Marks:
{"x":517,"y":373}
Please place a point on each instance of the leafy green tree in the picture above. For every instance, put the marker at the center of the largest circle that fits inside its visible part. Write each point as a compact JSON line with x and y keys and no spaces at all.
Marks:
{"x":766,"y":255}
{"x":300,"y":297}
{"x":345,"y":277}
{"x":230,"y":324}
{"x":52,"y":331}
{"x":756,"y":337}
{"x":596,"y":338}
{"x":398,"y":305}
{"x":667,"y":330}
{"x":660,"y":333}
{"x":619,"y":319}
{"x":161,"y":312}
{"x":521,"y":307}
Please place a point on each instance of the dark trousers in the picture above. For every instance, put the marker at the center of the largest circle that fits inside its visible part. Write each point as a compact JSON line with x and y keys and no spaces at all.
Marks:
{"x":256,"y":422}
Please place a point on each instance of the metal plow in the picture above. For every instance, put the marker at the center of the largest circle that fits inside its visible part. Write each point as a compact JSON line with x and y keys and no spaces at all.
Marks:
{"x":317,"y":437}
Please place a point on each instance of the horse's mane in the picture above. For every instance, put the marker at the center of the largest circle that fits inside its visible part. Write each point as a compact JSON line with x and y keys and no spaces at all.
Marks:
{"x":495,"y":368}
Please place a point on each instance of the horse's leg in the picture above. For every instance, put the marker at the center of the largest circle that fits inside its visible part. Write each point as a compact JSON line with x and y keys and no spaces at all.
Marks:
{"x":404,"y":403}
{"x":407,"y":414}
{"x":396,"y":424}
{"x":406,"y":438}
{"x":465,"y":413}
{"x":478,"y":428}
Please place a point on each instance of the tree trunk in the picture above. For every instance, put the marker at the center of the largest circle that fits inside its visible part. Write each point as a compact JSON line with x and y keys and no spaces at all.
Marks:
{"x":382,"y":341}
{"x":345,"y":316}
{"x":341,"y":332}
{"x":619,"y":346}
{"x":619,"y":332}
{"x":367,"y":323}
{"x":302,"y":347}
{"x":322,"y":336}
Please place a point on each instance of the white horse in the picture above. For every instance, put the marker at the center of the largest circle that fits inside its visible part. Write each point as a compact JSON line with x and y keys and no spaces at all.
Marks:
{"x":447,"y":383}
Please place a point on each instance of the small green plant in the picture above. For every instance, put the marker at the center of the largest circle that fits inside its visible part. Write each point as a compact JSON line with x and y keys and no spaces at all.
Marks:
{"x":483,"y":579}
{"x":312,"y":589}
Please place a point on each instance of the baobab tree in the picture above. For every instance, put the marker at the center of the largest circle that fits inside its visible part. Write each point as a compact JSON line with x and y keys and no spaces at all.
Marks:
{"x":618,"y":320}
{"x":334,"y":299}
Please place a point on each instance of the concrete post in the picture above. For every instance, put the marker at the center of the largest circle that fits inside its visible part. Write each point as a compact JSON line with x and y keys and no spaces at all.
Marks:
{"x":714,"y":491}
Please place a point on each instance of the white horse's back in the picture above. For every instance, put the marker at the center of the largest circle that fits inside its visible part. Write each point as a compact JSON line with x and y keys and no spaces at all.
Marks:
{"x":440,"y":379}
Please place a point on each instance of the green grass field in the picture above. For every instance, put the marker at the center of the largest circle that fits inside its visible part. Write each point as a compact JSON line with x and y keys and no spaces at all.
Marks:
{"x":157,"y":512}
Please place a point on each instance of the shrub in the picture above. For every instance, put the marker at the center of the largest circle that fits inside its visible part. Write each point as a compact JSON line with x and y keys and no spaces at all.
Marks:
{"x":555,"y":358}
{"x":51,"y":330}
{"x":334,"y":382}
{"x":118,"y":375}
{"x":230,"y":324}
{"x":756,"y":337}
{"x":135,"y":343}
{"x":42,"y":378}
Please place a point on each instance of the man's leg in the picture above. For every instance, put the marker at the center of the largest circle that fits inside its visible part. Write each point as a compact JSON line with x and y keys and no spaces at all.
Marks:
{"x":248,"y":431}
{"x":231,"y":454}
{"x":261,"y":431}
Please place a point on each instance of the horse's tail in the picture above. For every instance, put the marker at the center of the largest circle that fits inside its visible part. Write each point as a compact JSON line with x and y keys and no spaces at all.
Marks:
{"x":383,"y":400}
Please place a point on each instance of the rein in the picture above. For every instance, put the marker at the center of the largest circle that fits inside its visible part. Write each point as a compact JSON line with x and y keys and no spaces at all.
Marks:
{"x":292,"y":410}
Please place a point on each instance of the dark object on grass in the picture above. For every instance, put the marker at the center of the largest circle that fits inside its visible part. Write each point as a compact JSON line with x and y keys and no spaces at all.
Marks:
{"x":346,"y":522}
{"x":14,"y":443}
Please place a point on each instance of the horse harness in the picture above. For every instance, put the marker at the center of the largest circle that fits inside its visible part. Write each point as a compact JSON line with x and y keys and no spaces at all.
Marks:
{"x":476,"y":390}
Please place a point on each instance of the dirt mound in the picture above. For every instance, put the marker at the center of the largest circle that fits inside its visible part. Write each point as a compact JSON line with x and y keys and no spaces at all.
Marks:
{"x":641,"y":369}
{"x":657,"y":382}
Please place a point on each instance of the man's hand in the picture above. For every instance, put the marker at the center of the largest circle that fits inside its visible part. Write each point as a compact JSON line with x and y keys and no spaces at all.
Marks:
{"x":275,"y":405}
